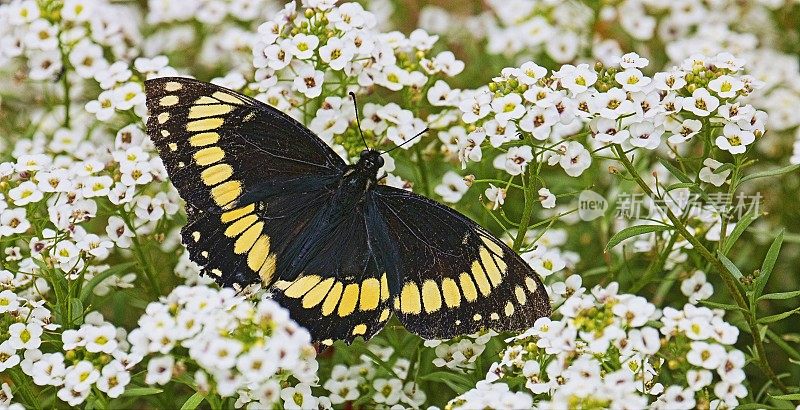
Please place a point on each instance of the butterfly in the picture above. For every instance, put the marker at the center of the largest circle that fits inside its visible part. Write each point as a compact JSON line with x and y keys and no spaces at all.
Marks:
{"x":269,"y":202}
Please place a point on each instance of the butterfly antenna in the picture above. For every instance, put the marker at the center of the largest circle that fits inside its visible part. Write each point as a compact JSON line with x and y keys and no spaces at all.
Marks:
{"x":358,"y":122}
{"x":406,"y":141}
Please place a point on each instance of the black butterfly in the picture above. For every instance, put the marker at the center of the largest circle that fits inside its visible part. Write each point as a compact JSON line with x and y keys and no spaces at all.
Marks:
{"x":270,"y":202}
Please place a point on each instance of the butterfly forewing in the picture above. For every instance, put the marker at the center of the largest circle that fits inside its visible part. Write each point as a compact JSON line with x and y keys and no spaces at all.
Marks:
{"x":456,"y":277}
{"x":243,"y":168}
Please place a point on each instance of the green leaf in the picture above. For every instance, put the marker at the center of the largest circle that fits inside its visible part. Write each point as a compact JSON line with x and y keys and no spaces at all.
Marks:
{"x":722,"y":306}
{"x":780,"y":295}
{"x":691,"y":185}
{"x":730,"y":266}
{"x":777,"y":317}
{"x":792,"y":396}
{"x":192,"y":402}
{"x":86,"y":292}
{"x":768,"y":264}
{"x":459,"y":383}
{"x":674,"y":170}
{"x":743,"y":223}
{"x":632,"y":231}
{"x":141,"y":391}
{"x":770,"y":172}
{"x":76,"y":311}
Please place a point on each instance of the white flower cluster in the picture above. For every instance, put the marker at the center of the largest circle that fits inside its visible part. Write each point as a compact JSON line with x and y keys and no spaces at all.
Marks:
{"x":607,"y":349}
{"x":93,"y":355}
{"x":232,"y":345}
{"x":331,"y":50}
{"x":367,"y":378}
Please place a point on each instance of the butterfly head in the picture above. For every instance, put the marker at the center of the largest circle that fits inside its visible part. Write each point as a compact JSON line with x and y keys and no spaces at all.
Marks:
{"x":370,"y":161}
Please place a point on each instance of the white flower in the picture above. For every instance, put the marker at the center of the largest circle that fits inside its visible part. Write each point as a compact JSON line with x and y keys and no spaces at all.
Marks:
{"x":734,"y":139}
{"x":645,"y":135}
{"x":678,"y":398}
{"x":539,"y":121}
{"x":101,"y":339}
{"x":441,"y":95}
{"x":517,"y":159}
{"x":337,"y":53}
{"x":508,"y":107}
{"x":25,"y":335}
{"x":633,"y":60}
{"x":701,"y":103}
{"x":576,"y":79}
{"x":575,"y":159}
{"x":72,"y":396}
{"x":25,"y":193}
{"x":632,"y":80}
{"x":697,"y":379}
{"x":546,"y":198}
{"x":113,"y":379}
{"x":87,"y":58}
{"x":81,"y":376}
{"x":13,"y":221}
{"x":9,"y":301}
{"x":77,"y":10}
{"x":613,"y":104}
{"x":302,"y":46}
{"x":8,"y":356}
{"x":607,"y":130}
{"x":103,"y":106}
{"x":49,"y":370}
{"x":731,"y":369}
{"x":726,"y":86}
{"x":530,"y":73}
{"x":708,"y":356}
{"x":687,"y":129}
{"x":696,"y":287}
{"x":127,"y":96}
{"x":387,"y":391}
{"x":499,"y":135}
{"x":469,"y":147}
{"x":475,"y":106}
{"x":452,"y":187}
{"x":496,"y":195}
{"x":669,"y":81}
{"x":159,"y":370}
{"x":298,"y":397}
{"x":309,"y":82}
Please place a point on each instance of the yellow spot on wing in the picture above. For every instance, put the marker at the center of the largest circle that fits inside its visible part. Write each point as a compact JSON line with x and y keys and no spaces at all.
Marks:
{"x":370,"y":293}
{"x":520,"y":294}
{"x":384,"y":315}
{"x":204,"y":138}
{"x":216,"y":174}
{"x":481,"y":279}
{"x":467,"y":287}
{"x":226,"y":192}
{"x":268,"y":269}
{"x":206,"y":100}
{"x":431,"y":299}
{"x":163,"y":117}
{"x":302,"y":286}
{"x":239,"y":226}
{"x":315,"y":295}
{"x":223,"y":96}
{"x":258,"y":254}
{"x":452,"y":297}
{"x":409,"y":299}
{"x":237,"y":213}
{"x":477,"y":317}
{"x":495,"y":276}
{"x":168,"y":101}
{"x":204,"y":124}
{"x":209,"y":110}
{"x":248,"y":238}
{"x":196,"y":236}
{"x":384,"y":287}
{"x":359,"y":329}
{"x":531,"y":284}
{"x":164,"y":133}
{"x":492,"y":245}
{"x":332,"y":299}
{"x":349,"y":300}
{"x":208,"y":156}
{"x":172,"y":86}
{"x":509,"y":309}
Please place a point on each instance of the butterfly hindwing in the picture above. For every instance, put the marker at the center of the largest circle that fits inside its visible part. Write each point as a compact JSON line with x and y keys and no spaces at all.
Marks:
{"x":342,"y":292}
{"x":250,"y":175}
{"x":455,"y":277}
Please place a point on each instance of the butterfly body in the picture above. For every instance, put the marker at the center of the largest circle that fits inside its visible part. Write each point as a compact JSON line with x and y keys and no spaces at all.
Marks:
{"x":269,"y":202}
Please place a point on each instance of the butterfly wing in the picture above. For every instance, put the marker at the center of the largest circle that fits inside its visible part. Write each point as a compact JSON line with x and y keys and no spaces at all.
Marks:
{"x":454,"y":277}
{"x":343,"y":292}
{"x":252,"y":176}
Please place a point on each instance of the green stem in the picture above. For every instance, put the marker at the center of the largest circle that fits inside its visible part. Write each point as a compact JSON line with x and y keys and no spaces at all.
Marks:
{"x":529,"y":187}
{"x":423,"y":171}
{"x":146,"y":268}
{"x":727,"y":277}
